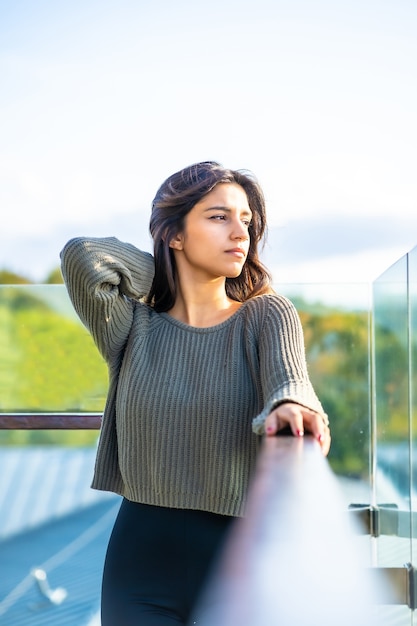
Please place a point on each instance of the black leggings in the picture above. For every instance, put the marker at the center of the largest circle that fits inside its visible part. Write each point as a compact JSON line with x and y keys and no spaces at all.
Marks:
{"x":157,"y":561}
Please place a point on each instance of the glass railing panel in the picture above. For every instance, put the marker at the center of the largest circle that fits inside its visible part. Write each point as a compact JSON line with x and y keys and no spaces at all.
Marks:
{"x":48,"y":361}
{"x":392,"y":426}
{"x":336,"y":323}
{"x":412,"y":291}
{"x":390,"y":299}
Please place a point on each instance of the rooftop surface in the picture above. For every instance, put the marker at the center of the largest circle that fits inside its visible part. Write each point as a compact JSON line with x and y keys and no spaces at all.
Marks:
{"x":53,"y":536}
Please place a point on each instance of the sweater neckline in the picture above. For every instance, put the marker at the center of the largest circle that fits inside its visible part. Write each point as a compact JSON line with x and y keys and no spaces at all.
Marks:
{"x":204,"y":329}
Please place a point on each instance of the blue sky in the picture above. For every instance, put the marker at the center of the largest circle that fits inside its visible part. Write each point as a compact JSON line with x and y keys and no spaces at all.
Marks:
{"x":103,"y":100}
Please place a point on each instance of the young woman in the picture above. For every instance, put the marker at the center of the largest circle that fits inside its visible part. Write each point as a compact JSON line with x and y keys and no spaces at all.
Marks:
{"x":203,"y":358}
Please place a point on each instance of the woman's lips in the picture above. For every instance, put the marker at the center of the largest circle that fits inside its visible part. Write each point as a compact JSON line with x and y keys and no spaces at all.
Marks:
{"x":237,"y":252}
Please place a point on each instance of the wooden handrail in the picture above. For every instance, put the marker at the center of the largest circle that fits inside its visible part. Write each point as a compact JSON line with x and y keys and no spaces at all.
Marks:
{"x":293,"y":559}
{"x":50,"y":421}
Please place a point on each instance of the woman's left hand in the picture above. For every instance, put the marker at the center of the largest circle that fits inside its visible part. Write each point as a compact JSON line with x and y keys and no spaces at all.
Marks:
{"x":300,"y":420}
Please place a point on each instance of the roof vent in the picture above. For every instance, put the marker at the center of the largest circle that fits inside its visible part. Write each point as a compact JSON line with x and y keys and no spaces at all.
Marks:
{"x":55,"y":596}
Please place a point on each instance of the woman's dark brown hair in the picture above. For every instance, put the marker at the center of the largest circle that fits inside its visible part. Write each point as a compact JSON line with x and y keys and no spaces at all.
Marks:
{"x":174,"y":199}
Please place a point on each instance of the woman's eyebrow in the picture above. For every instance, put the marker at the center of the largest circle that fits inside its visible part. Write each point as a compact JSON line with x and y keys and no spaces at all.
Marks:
{"x":226,"y":209}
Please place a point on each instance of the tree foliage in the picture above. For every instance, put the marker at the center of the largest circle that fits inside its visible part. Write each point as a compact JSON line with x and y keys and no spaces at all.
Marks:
{"x":7,"y":277}
{"x":54,"y":277}
{"x":10,"y":278}
{"x":337,"y":354}
{"x":48,"y":363}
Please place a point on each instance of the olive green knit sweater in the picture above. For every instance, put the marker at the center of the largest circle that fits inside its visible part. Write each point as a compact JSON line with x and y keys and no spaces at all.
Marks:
{"x":184,"y":403}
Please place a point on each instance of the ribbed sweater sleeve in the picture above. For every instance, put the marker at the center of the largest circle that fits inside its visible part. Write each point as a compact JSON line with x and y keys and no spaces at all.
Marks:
{"x":282,"y":361}
{"x":104,"y":277}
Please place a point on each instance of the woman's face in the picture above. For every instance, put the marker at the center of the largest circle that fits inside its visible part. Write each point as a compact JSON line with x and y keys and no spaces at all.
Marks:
{"x":215,"y":240}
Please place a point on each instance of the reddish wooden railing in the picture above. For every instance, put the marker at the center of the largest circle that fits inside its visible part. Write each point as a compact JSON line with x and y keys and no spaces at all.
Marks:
{"x":50,"y":421}
{"x":293,"y":560}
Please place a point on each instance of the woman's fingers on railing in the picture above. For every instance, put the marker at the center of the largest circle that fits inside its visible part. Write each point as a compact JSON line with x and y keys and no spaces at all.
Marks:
{"x":300,"y":420}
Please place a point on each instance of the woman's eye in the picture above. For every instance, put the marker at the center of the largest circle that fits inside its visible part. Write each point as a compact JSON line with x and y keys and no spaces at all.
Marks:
{"x":218,"y":217}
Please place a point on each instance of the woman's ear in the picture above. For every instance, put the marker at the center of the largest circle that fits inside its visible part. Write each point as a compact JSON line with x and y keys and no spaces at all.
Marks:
{"x":176,"y":242}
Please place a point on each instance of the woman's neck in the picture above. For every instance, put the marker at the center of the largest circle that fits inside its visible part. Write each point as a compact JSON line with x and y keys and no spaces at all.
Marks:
{"x":203,"y":306}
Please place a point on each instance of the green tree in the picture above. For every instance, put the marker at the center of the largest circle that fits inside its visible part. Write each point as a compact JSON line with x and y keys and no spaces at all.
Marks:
{"x":337,"y":354}
{"x":54,"y":277}
{"x":48,"y":363}
{"x":10,"y":278}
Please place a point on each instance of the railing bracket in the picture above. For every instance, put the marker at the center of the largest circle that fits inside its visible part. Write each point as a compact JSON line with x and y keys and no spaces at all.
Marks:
{"x":384,"y":519}
{"x":400,"y":584}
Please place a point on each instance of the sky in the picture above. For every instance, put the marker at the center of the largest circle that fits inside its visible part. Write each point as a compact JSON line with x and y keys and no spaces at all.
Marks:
{"x":102,"y":100}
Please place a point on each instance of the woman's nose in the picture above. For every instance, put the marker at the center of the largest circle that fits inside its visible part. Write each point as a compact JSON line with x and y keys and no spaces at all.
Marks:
{"x":240,"y":231}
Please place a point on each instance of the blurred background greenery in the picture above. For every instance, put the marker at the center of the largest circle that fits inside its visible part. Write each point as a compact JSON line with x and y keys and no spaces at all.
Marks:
{"x":48,"y":363}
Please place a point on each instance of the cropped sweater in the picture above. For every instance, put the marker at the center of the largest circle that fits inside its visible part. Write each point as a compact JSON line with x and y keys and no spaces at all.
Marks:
{"x":185,"y":405}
